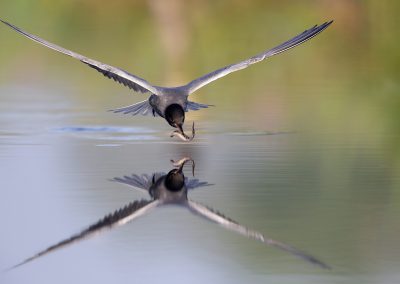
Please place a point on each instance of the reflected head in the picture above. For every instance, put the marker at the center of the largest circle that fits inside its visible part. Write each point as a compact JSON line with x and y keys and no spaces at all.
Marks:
{"x":175,"y":180}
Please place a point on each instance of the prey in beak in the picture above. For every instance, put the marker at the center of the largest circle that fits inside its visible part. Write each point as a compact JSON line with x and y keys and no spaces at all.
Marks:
{"x":181,"y":134}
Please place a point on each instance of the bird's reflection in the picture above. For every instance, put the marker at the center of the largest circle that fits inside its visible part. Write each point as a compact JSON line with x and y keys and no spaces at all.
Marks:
{"x":165,"y":189}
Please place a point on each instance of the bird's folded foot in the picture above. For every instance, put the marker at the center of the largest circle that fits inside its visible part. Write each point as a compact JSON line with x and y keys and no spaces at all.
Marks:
{"x":179,"y":133}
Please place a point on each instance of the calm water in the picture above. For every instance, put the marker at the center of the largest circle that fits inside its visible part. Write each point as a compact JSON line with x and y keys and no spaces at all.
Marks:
{"x":337,"y":201}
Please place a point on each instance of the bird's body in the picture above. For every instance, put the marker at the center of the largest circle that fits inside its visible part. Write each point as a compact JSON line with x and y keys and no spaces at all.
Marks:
{"x":169,"y":96}
{"x":161,"y":98}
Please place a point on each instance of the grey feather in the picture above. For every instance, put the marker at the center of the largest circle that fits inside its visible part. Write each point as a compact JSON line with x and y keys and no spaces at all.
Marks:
{"x":195,"y":106}
{"x":143,"y":181}
{"x":143,"y":108}
{"x":119,"y":75}
{"x":127,"y":83}
{"x":217,"y":217}
{"x":195,"y":183}
{"x":120,"y":217}
{"x":299,"y":39}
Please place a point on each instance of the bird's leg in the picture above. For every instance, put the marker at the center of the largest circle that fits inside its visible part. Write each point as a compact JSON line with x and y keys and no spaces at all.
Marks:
{"x":180,"y":163}
{"x":181,"y":134}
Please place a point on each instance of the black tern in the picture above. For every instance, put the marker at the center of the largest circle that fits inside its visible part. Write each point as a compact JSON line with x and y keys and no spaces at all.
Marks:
{"x":172,"y":103}
{"x":168,"y":189}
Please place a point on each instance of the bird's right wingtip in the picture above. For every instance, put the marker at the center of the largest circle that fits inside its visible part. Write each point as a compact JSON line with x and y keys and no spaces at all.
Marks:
{"x":328,"y":23}
{"x":4,"y":22}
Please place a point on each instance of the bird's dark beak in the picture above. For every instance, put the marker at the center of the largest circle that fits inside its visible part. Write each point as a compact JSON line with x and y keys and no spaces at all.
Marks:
{"x":181,"y":134}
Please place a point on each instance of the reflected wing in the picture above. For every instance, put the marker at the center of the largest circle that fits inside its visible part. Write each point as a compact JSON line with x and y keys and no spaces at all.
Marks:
{"x":194,"y":183}
{"x":118,"y":218}
{"x":299,"y":39}
{"x":131,"y":81}
{"x":229,"y":224}
{"x":143,"y":181}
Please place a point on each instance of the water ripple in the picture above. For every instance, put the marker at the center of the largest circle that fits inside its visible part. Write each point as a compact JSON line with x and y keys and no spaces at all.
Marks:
{"x":118,"y":133}
{"x":112,"y":129}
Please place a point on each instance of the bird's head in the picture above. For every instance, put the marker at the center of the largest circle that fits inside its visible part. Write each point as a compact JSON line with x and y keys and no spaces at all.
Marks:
{"x":175,"y":116}
{"x":175,"y":179}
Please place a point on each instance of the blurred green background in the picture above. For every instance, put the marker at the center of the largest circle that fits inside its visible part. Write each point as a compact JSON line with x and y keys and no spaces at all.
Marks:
{"x":338,"y":95}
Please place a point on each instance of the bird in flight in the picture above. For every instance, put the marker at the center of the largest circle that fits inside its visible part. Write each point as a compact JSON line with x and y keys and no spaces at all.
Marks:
{"x":171,"y":103}
{"x":168,"y":189}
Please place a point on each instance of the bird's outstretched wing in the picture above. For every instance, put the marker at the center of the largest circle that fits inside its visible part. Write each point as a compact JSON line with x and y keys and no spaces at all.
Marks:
{"x":131,"y":81}
{"x":143,"y":181}
{"x":120,"y":217}
{"x":215,"y":216}
{"x":299,"y":39}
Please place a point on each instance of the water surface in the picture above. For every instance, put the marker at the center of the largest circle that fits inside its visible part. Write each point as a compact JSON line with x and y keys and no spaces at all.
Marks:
{"x":334,"y":200}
